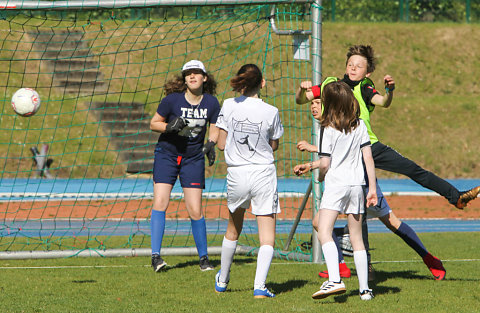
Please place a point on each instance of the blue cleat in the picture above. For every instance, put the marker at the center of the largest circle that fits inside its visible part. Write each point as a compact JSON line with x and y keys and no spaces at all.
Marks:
{"x":219,"y":286}
{"x":263,"y":293}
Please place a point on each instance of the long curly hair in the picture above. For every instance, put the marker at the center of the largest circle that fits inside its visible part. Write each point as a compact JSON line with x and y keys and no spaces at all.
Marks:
{"x":340,"y":108}
{"x":177,"y":84}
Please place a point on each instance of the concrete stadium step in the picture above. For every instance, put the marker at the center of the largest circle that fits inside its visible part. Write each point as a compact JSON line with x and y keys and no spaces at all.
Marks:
{"x":95,"y":87}
{"x":65,"y":65}
{"x":128,"y":127}
{"x":87,"y":75}
{"x":139,"y":125}
{"x":149,"y":136}
{"x":134,"y":144}
{"x":121,"y":114}
{"x":145,"y":166}
{"x":68,"y":56}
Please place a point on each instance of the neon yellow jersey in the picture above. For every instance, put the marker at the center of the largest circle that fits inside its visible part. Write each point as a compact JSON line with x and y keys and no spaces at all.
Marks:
{"x":364,"y":110}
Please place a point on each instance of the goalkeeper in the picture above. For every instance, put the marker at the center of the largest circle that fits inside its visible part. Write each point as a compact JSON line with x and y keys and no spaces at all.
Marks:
{"x":182,"y":119}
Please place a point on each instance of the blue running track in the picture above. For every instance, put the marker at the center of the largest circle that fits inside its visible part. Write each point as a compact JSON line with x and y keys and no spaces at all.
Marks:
{"x":81,"y":189}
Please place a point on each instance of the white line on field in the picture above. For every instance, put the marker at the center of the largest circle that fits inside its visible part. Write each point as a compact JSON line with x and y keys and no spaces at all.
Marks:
{"x":253,"y":263}
{"x":373,"y":262}
{"x":60,"y":267}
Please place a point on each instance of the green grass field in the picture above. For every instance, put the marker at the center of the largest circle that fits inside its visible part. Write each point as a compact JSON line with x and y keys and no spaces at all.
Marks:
{"x":403,"y":283}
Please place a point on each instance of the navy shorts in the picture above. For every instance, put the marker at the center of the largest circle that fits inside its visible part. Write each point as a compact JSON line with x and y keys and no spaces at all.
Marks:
{"x":168,"y":166}
{"x":382,"y":208}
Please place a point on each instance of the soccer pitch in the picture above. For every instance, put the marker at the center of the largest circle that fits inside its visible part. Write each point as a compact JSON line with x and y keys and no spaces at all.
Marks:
{"x":403,"y":283}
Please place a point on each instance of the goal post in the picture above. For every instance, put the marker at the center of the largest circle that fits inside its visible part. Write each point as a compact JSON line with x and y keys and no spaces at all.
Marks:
{"x":75,"y":178}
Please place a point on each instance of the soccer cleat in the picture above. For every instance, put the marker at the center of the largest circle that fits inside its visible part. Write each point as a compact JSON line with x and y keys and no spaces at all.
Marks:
{"x":205,"y":264}
{"x":263,"y":293}
{"x":219,"y":286}
{"x":329,"y":288}
{"x":158,"y":263}
{"x":467,"y":196}
{"x":435,"y":266}
{"x":366,"y":295}
{"x":344,"y":271}
{"x":371,"y":272}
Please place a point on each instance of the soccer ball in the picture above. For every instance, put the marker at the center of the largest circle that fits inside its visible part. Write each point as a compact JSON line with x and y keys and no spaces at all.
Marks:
{"x":26,"y":102}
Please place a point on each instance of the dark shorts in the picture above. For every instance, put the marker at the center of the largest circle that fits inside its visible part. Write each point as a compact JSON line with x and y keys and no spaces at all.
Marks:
{"x":382,"y":208}
{"x":167,"y":167}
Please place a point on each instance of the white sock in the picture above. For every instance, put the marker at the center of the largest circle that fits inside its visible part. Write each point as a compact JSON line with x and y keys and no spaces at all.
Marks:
{"x":361,"y":264}
{"x":330,"y":254}
{"x":228,"y":251}
{"x":264,"y":259}
{"x":339,"y":248}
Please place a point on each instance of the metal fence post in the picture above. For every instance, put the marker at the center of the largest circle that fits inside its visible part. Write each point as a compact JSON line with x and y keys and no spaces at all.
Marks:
{"x":316,"y":80}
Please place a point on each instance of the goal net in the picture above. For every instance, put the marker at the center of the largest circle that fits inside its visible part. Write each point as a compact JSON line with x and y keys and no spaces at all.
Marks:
{"x":75,"y":178}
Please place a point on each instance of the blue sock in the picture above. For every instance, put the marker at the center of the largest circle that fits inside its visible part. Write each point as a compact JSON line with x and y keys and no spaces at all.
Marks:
{"x":157,"y":228}
{"x":410,"y":237}
{"x":199,"y":230}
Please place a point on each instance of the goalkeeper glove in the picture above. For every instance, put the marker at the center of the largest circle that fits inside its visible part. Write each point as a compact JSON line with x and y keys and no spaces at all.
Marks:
{"x":176,"y":125}
{"x":209,"y":151}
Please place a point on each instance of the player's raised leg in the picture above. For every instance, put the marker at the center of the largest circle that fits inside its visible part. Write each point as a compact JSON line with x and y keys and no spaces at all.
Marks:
{"x":410,"y":237}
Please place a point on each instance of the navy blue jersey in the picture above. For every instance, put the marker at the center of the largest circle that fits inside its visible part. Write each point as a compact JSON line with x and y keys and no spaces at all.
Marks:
{"x":190,"y":140}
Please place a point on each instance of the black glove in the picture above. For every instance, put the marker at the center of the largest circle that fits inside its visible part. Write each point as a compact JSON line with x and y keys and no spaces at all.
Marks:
{"x":209,"y":151}
{"x":176,"y":125}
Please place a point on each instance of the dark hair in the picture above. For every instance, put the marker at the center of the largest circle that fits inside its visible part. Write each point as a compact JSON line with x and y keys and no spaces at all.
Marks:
{"x":340,"y":108}
{"x":366,"y":52}
{"x":177,"y":84}
{"x":248,"y":79}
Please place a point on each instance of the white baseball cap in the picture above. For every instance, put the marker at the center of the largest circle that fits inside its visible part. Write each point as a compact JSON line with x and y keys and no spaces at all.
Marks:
{"x":194,"y":64}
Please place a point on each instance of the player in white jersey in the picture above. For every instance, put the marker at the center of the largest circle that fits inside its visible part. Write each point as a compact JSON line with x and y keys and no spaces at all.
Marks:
{"x":249,"y":133}
{"x":343,"y":142}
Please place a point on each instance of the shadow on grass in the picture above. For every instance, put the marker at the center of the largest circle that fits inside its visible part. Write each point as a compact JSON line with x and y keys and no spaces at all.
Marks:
{"x":215,"y":263}
{"x":381,"y":276}
{"x":287,"y":286}
{"x":277,"y":288}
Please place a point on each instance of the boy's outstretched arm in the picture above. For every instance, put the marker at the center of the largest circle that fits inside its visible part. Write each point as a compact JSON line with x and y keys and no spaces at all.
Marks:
{"x":304,"y":92}
{"x":385,"y":101}
{"x":370,"y":168}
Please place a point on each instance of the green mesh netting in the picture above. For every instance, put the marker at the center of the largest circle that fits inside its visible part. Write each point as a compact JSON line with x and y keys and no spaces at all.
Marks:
{"x":77,"y":174}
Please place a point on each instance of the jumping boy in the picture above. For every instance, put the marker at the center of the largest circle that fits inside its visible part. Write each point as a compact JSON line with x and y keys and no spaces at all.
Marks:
{"x":360,"y":65}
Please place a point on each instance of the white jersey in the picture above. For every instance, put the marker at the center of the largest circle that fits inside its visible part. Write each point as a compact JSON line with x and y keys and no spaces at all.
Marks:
{"x":346,"y":168}
{"x":251,"y":124}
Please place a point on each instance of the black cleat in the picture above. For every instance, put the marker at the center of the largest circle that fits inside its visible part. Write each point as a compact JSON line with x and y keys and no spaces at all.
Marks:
{"x":205,"y":264}
{"x":158,"y":263}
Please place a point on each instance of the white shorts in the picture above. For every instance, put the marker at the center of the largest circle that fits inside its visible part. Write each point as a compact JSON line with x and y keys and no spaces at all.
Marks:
{"x":344,"y":199}
{"x":255,"y":185}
